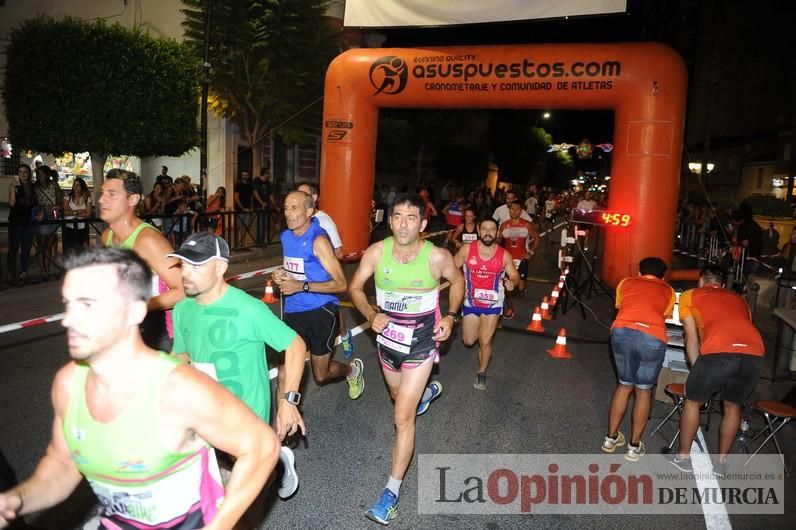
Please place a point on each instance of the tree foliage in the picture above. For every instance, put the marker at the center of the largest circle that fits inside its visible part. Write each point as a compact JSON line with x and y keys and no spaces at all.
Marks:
{"x":72,"y":85}
{"x":769,"y":206}
{"x":408,"y":136}
{"x":395,"y":145}
{"x":520,"y":151}
{"x":268,"y":59}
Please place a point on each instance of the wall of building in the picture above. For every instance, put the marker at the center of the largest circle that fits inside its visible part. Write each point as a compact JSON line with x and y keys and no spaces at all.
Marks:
{"x":161,"y":18}
{"x":758,"y":179}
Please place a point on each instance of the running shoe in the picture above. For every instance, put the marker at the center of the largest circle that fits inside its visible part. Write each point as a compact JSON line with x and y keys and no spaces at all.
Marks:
{"x":683,"y":464}
{"x":289,"y":482}
{"x":436,"y":389}
{"x":356,"y":385}
{"x":610,"y":444}
{"x":385,"y":509}
{"x":480,"y":381}
{"x":348,"y":345}
{"x":508,"y":314}
{"x":634,"y":452}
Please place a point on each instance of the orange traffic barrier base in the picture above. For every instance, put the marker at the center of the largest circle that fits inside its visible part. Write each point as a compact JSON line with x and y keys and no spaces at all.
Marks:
{"x":269,"y":297}
{"x":554,"y":296}
{"x":536,"y":322}
{"x":559,"y":349}
{"x":546,"y":309}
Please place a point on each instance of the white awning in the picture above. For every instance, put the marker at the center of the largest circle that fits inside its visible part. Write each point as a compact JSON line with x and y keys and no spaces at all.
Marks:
{"x":395,"y":13}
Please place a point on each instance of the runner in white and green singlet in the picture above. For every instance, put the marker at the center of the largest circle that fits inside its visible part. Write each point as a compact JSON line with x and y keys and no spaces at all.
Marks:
{"x":138,"y":424}
{"x":408,"y":326}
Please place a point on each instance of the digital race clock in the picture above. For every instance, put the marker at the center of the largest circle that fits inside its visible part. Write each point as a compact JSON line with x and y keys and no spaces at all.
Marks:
{"x":600,"y":217}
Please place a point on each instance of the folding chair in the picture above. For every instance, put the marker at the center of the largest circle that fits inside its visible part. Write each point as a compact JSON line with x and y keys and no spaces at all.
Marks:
{"x":777,"y":416}
{"x":676,"y":391}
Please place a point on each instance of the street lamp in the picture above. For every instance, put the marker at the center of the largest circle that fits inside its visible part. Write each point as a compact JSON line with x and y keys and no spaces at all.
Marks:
{"x":546,"y":115}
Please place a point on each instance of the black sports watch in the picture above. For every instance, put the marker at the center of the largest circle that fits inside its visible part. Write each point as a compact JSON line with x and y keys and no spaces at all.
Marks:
{"x":294,"y":398}
{"x":455,"y":316}
{"x":306,"y":287}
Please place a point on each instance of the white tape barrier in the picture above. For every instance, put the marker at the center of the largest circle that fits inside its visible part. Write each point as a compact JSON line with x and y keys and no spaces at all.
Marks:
{"x":31,"y":323}
{"x":259,"y":272}
{"x":435,"y":234}
{"x":554,"y":228}
{"x":54,"y":318}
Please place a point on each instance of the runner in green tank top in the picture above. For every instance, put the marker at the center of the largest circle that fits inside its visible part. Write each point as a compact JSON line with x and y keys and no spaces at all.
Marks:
{"x":121,"y":193}
{"x":408,"y":326}
{"x":136,"y":423}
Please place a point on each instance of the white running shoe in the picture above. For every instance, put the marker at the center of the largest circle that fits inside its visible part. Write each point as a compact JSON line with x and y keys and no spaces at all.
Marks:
{"x":290,"y":482}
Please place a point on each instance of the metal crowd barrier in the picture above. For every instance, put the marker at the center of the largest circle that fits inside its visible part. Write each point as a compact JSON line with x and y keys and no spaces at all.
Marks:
{"x":712,"y":251}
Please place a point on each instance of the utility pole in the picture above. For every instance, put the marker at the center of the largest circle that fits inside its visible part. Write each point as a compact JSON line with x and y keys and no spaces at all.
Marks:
{"x":203,"y":176}
{"x":711,"y":85}
{"x":792,"y":165}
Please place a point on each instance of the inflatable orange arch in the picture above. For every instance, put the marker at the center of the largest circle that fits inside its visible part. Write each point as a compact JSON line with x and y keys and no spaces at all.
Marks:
{"x":643,"y":83}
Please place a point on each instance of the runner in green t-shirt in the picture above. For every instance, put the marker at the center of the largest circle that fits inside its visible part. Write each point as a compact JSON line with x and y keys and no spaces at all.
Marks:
{"x":229,"y":335}
{"x":222,"y":330}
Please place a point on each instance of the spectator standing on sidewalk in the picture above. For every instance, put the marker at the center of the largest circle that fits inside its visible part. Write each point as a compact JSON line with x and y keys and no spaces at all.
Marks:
{"x":244,"y":205}
{"x":50,"y":201}
{"x":21,"y":200}
{"x":77,"y":205}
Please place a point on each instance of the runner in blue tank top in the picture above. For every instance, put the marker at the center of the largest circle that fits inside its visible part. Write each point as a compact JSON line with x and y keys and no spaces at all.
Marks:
{"x":310,"y":280}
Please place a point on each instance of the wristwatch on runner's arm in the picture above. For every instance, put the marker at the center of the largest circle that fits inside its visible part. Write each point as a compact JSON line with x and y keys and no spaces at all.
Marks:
{"x":294,"y":398}
{"x":454,"y":315}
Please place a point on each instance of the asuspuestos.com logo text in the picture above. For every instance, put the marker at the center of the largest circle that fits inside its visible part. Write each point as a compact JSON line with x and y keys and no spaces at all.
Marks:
{"x":526,"y":69}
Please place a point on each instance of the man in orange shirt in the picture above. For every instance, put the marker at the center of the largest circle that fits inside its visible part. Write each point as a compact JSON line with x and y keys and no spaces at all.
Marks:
{"x":725,"y":351}
{"x":638,"y":341}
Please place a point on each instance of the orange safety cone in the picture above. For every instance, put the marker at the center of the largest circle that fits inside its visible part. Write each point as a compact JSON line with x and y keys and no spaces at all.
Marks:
{"x":554,"y":297}
{"x":546,"y":309}
{"x":559,"y":349}
{"x":536,"y":322}
{"x":269,"y":297}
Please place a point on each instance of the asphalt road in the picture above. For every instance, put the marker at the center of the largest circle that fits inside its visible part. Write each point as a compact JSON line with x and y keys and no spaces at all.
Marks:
{"x":533,"y":404}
